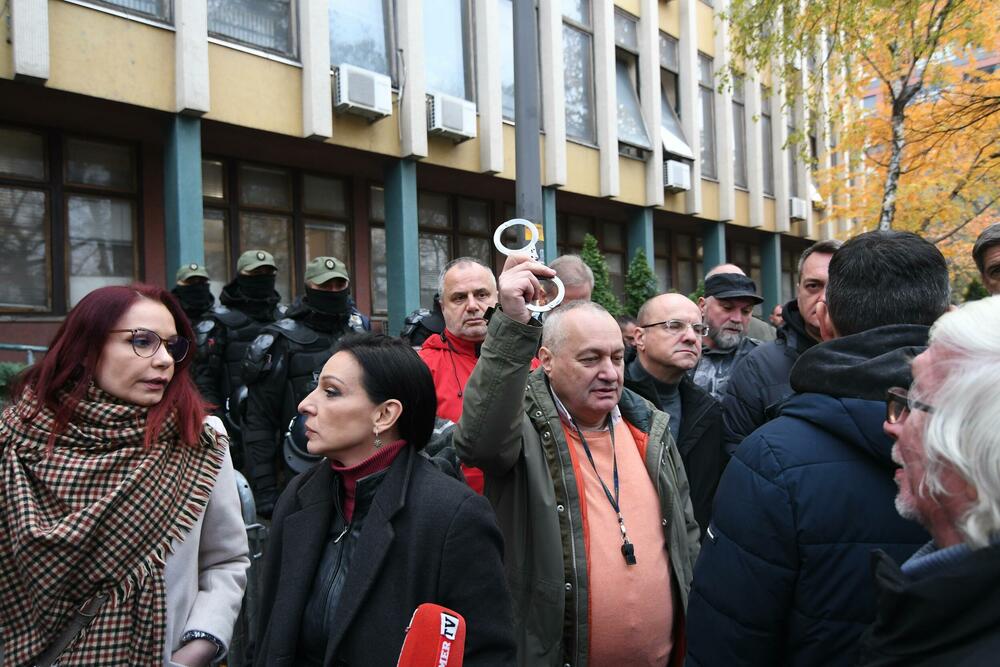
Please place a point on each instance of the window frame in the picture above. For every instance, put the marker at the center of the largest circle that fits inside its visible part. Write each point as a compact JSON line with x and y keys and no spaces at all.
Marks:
{"x":293,"y":55}
{"x":740,"y":170}
{"x":596,"y":227}
{"x":111,"y":7}
{"x":591,"y":93}
{"x":391,"y":40}
{"x":767,"y":142}
{"x":629,"y":56}
{"x":707,"y":126}
{"x":468,"y":20}
{"x":58,"y":191}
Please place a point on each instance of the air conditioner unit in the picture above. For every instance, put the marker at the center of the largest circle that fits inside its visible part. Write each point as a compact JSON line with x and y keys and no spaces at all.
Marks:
{"x":451,"y":117}
{"x":676,"y":176}
{"x":797,"y":208}
{"x":362,"y":92}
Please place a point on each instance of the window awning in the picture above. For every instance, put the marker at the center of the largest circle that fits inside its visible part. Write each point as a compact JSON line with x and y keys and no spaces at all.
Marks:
{"x":671,"y":132}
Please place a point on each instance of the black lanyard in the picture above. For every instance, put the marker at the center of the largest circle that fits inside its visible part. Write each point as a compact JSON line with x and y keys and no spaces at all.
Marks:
{"x":628,"y":551}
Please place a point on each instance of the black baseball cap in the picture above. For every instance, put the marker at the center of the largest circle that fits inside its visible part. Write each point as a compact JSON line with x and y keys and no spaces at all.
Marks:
{"x":732,"y":286}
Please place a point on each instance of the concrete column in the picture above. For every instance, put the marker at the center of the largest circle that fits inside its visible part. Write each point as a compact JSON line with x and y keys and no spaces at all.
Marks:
{"x":412,"y":101}
{"x":191,"y":85}
{"x":553,"y":92}
{"x":724,"y":132}
{"x":549,"y":224}
{"x":688,"y":52}
{"x":606,"y":97}
{"x":770,"y":271}
{"x":401,"y":241}
{"x":640,"y":234}
{"x":29,"y":37}
{"x":649,"y":96}
{"x":779,"y":135}
{"x":317,"y":106}
{"x":755,"y":149}
{"x":489,"y":96}
{"x":184,"y":220}
{"x":714,"y":243}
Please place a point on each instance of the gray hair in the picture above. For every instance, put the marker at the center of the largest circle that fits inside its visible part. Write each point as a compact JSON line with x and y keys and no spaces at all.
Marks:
{"x":827,"y":247}
{"x":457,"y":262}
{"x":963,"y":433}
{"x":572,"y":270}
{"x":553,"y":331}
{"x":989,"y":238}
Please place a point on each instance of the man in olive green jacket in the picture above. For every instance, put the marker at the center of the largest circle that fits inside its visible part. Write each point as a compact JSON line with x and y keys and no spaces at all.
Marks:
{"x":513,"y":430}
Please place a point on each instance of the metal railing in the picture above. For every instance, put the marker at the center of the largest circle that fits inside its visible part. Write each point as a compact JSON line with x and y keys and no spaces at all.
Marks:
{"x":29,"y":350}
{"x":246,"y":622}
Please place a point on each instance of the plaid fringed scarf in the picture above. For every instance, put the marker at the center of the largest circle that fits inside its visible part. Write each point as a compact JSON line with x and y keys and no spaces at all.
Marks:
{"x":96,"y":515}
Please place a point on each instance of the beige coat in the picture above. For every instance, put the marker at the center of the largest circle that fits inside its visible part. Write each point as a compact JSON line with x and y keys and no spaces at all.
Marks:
{"x":206,"y":572}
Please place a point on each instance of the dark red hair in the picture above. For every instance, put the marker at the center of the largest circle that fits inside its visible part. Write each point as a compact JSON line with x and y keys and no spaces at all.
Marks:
{"x":73,"y":354}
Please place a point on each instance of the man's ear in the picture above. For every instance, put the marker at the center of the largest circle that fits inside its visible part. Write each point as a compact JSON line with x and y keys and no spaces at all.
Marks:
{"x":639,"y":339}
{"x":545,"y":357}
{"x":826,"y":329}
{"x":701,"y":304}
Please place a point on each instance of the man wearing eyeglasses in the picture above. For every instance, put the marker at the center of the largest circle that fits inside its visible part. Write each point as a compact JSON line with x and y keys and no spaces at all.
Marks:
{"x":667,"y":345}
{"x":783,"y":577}
{"x":939,"y":607}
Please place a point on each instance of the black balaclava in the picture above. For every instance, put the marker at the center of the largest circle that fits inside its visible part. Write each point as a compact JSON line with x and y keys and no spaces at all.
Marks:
{"x":328,"y":303}
{"x":195,"y":299}
{"x":256,"y":288}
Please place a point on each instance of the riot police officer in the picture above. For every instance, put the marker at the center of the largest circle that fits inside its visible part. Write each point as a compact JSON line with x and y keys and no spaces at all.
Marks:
{"x":281,"y":364}
{"x":248,"y":304}
{"x":193,"y":292}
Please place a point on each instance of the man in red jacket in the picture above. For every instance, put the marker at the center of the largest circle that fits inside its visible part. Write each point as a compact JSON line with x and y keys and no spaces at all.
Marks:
{"x":467,"y":288}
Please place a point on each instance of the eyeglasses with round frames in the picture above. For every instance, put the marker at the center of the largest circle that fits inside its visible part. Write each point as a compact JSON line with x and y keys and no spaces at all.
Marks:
{"x":677,"y":327}
{"x":898,"y":404}
{"x":145,"y":343}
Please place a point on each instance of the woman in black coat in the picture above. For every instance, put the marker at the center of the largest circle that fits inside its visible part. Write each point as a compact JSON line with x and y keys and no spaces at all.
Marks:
{"x":374,"y":530}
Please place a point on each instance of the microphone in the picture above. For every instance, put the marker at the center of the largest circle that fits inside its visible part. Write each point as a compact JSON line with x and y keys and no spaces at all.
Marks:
{"x":434,"y":638}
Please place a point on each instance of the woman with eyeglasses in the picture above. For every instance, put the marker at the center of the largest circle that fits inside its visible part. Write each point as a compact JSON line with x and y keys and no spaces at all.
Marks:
{"x":121,"y":537}
{"x":375,"y":529}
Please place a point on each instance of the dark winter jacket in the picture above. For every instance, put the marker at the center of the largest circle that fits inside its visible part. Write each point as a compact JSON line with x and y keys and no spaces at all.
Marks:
{"x":425,"y":538}
{"x":783,"y":577}
{"x":950,"y":617}
{"x":700,"y":439}
{"x":761,"y":379}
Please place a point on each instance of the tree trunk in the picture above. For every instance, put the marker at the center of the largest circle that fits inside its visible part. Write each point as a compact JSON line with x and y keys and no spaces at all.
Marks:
{"x":895,"y":160}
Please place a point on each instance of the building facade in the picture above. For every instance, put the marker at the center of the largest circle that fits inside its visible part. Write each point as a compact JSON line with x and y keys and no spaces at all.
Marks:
{"x":137,"y":135}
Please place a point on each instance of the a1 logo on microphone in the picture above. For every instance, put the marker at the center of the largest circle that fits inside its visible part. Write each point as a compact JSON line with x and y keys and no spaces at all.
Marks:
{"x":449,"y":626}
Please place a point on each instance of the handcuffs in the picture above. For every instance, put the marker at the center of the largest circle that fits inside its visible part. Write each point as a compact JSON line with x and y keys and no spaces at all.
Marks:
{"x":533,"y":253}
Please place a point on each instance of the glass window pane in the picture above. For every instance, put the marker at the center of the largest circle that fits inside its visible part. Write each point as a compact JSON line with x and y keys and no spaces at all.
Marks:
{"x":661,"y":242}
{"x":631,"y":128}
{"x":358,"y":34}
{"x":616,"y":273}
{"x":98,"y":163}
{"x":707,"y":127}
{"x":739,"y":145}
{"x":324,"y":195}
{"x":662,"y":269}
{"x":101,"y":251}
{"x":327,"y":239}
{"x":705,"y":71}
{"x":435,"y":252}
{"x":625,"y":32}
{"x":473,"y":246}
{"x":380,"y":276}
{"x":579,"y":84}
{"x":216,"y":249}
{"x":671,"y":132}
{"x":613,"y":236}
{"x":687,"y":279}
{"x":432,"y":211}
{"x":376,"y":204}
{"x":24,"y":272}
{"x":22,"y":154}
{"x":264,"y":186}
{"x":444,"y":48}
{"x":670,"y":92}
{"x":265,"y":24}
{"x":474,"y":216}
{"x":212,"y":180}
{"x":579,"y":227}
{"x":273,"y":234}
{"x":153,"y":9}
{"x":506,"y":26}
{"x":793,"y":165}
{"x":578,"y":10}
{"x":767,"y":149}
{"x":738,"y":89}
{"x":669,"y":57}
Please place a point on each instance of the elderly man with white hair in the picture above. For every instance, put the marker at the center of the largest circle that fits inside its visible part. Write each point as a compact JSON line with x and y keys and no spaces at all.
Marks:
{"x":940,"y":606}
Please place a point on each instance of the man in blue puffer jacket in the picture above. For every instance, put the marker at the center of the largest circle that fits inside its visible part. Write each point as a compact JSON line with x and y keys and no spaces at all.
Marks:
{"x":783,"y":577}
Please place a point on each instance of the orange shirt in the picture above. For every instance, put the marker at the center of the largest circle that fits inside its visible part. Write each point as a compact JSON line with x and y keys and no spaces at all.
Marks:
{"x":631,"y":606}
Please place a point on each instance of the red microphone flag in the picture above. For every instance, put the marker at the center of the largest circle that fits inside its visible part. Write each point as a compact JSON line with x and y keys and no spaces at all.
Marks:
{"x":434,"y":638}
